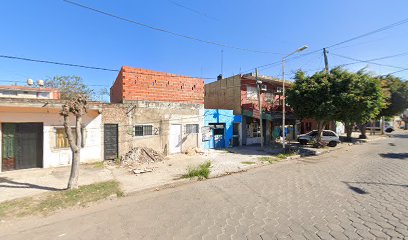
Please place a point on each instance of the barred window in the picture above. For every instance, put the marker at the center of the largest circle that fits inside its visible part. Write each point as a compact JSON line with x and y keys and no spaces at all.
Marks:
{"x":191,"y":128}
{"x":143,"y":130}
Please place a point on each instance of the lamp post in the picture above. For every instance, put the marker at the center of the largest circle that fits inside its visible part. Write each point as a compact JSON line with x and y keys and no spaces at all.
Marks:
{"x":283,"y":92}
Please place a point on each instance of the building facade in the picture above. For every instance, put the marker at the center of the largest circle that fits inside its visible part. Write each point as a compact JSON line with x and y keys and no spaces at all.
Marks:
{"x":32,"y":133}
{"x":239,"y":93}
{"x":153,"y":109}
{"x":222,"y":129}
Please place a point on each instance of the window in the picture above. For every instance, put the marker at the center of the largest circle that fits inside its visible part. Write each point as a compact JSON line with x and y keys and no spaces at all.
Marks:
{"x":269,"y":97}
{"x":252,"y":93}
{"x":256,"y":130}
{"x":328,"y":133}
{"x":62,"y":139}
{"x":143,"y":130}
{"x":191,"y":128}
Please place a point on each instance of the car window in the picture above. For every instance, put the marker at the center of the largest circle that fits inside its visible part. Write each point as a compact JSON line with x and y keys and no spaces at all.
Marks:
{"x":312,"y":133}
{"x":327,"y":133}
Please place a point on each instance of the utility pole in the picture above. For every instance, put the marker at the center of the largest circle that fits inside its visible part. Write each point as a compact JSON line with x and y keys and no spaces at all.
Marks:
{"x":326,"y":61}
{"x":258,"y":87}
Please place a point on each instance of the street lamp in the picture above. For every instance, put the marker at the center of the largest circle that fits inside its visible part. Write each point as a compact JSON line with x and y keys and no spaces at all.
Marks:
{"x":283,"y":92}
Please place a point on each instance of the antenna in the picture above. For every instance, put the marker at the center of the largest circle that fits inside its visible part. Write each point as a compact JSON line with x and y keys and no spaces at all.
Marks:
{"x":222,"y":61}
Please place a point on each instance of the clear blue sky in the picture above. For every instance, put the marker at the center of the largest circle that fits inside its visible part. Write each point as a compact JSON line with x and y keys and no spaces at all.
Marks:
{"x":58,"y":31}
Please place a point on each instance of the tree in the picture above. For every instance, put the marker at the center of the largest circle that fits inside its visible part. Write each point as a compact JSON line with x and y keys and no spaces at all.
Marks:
{"x":77,"y":106}
{"x":311,"y":97}
{"x":396,"y":92}
{"x":358,"y":98}
{"x":69,"y":86}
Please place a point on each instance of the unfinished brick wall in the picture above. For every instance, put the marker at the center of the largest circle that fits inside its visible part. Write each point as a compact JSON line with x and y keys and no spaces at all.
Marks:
{"x":134,"y":84}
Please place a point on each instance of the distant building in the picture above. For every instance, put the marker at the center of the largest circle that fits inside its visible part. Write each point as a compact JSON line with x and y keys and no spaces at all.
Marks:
{"x":239,"y":93}
{"x":32,"y":133}
{"x":153,"y":109}
{"x":28,"y":92}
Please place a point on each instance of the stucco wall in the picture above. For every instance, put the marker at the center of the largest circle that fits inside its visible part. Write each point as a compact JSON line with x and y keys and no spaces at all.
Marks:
{"x":52,"y":156}
{"x":158,"y":114}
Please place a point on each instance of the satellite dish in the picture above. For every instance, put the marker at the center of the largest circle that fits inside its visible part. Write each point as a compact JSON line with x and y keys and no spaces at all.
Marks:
{"x":41,"y":83}
{"x":30,"y":82}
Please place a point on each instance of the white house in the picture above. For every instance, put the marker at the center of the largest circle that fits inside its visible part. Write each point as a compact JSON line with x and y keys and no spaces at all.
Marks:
{"x":32,"y":133}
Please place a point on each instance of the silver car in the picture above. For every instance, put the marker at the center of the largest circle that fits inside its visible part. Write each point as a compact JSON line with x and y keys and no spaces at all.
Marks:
{"x":328,"y":136}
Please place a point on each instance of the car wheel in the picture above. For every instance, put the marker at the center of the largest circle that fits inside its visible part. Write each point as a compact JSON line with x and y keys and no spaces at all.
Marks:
{"x":303,"y":142}
{"x":332,"y":144}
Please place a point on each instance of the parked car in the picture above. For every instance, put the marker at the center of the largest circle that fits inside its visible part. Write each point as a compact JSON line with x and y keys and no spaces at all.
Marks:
{"x":328,"y":136}
{"x":388,"y":129}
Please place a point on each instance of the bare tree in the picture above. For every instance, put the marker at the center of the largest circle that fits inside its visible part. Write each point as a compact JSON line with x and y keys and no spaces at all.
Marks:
{"x":78,"y":107}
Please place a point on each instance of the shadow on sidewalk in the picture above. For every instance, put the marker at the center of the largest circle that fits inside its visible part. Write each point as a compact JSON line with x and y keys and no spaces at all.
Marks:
{"x":8,"y":183}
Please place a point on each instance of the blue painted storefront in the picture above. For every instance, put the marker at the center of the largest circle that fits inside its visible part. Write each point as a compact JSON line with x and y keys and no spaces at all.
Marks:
{"x":219,"y":128}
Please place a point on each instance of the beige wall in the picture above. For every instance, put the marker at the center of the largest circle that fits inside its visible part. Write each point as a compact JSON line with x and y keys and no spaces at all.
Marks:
{"x":224,"y":94}
{"x":158,"y":114}
{"x":52,"y":156}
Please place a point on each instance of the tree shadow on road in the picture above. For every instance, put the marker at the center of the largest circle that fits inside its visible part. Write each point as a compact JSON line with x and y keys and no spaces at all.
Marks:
{"x":394,"y":155}
{"x":8,"y":183}
{"x":377,"y":183}
{"x":355,"y":189}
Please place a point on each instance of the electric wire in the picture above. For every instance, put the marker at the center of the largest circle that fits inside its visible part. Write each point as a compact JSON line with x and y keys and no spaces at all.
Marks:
{"x":164,"y":30}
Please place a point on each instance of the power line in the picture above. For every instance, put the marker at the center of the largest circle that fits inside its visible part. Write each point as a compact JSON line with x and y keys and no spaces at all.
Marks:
{"x":366,"y":61}
{"x":193,"y":10}
{"x":58,"y":63}
{"x":91,"y":67}
{"x":164,"y":30}
{"x":392,"y":25}
{"x":342,"y":42}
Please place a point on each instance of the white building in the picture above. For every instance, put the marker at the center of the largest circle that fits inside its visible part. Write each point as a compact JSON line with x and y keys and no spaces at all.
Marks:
{"x":32,"y":133}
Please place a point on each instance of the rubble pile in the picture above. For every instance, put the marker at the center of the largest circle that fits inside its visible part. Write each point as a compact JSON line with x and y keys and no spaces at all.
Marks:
{"x":193,"y":151}
{"x":140,"y":155}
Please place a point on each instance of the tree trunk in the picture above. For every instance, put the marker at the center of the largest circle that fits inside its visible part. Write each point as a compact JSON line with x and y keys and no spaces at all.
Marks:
{"x":363,"y":131}
{"x":75,"y":149}
{"x":349,"y":130}
{"x":320,"y":126}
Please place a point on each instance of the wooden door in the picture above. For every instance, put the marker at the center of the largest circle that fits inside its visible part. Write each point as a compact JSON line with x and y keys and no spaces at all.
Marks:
{"x":110,"y":139}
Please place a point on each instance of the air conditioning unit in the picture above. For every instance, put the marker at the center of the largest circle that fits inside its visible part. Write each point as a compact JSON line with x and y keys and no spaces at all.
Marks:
{"x":263,"y":87}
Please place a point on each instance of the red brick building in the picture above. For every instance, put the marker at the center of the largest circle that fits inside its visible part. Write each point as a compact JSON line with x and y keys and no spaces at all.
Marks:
{"x":134,"y":84}
{"x":239,"y":93}
{"x":158,"y":110}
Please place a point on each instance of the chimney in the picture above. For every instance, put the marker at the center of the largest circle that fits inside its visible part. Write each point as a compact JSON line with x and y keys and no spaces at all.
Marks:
{"x":219,"y":77}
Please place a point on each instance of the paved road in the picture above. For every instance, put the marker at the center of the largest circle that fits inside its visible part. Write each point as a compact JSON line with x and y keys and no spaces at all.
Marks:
{"x":360,"y":192}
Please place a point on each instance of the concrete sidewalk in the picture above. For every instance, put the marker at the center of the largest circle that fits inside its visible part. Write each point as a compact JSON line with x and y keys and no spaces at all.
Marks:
{"x":23,"y":183}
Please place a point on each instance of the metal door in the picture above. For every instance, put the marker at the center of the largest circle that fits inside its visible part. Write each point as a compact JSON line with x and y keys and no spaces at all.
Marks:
{"x":110,"y":140}
{"x":29,"y":145}
{"x":175,"y":138}
{"x":22,"y":146}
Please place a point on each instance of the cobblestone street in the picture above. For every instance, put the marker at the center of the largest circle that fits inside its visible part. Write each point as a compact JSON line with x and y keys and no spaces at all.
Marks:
{"x":359,"y":192}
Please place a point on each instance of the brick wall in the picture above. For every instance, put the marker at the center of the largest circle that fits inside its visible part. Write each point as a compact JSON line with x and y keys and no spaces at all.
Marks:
{"x":133,"y":84}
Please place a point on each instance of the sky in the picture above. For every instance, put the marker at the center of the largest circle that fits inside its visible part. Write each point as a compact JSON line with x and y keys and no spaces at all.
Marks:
{"x":55,"y":30}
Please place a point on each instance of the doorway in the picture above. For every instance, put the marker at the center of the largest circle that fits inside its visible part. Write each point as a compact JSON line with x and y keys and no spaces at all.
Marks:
{"x":110,"y":141}
{"x":22,"y":146}
{"x":175,"y":138}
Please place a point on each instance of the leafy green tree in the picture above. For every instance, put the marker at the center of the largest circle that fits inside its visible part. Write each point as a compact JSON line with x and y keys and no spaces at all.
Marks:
{"x":358,"y":98}
{"x":311,"y":97}
{"x":396,"y":92}
{"x":69,"y":86}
